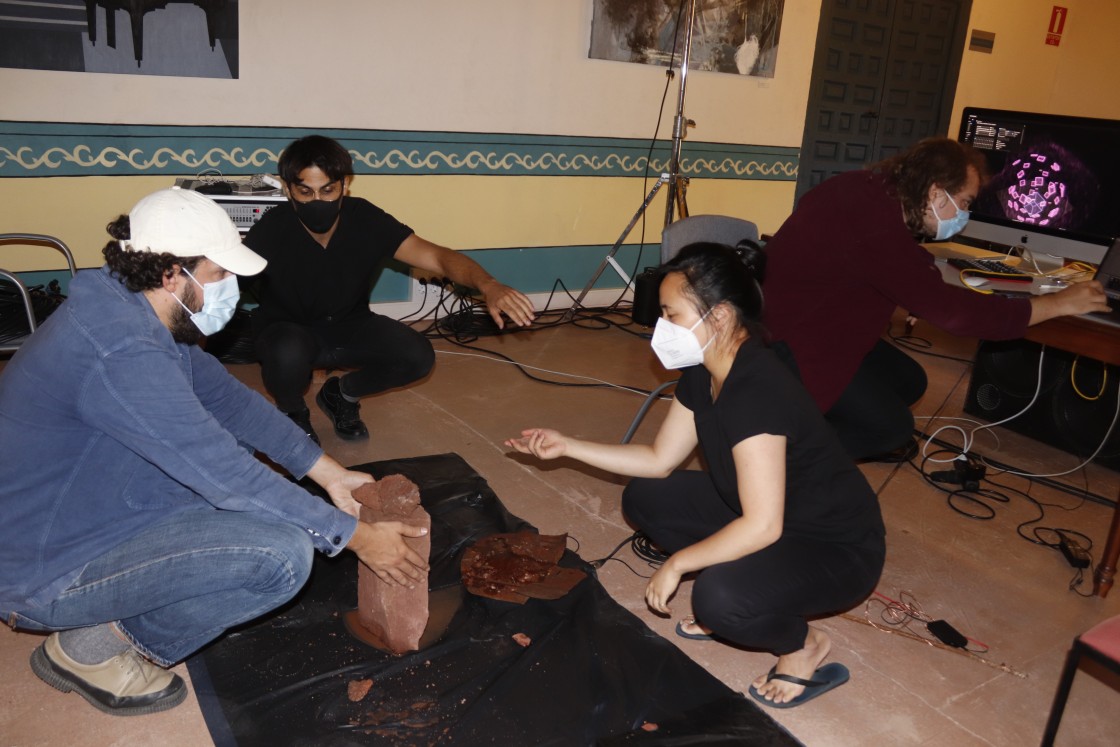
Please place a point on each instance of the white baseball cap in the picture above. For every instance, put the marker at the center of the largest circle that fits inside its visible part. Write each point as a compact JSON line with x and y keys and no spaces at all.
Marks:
{"x":187,"y":224}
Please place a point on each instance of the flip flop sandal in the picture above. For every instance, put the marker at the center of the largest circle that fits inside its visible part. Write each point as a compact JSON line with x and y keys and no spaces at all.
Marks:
{"x":827,"y":677}
{"x":693,"y":636}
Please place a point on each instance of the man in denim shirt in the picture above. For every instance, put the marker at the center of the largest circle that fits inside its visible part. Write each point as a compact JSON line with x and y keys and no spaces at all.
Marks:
{"x":137,"y":520}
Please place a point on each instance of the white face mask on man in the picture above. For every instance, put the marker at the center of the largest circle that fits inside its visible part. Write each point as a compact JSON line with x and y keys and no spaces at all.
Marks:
{"x":677,"y":346}
{"x":219,"y":301}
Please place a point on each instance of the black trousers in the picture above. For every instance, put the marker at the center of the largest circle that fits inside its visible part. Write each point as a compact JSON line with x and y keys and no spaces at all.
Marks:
{"x":762,"y":600}
{"x":384,"y":353}
{"x":872,"y":415}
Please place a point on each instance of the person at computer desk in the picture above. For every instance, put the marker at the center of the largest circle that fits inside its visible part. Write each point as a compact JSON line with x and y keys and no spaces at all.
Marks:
{"x":323,"y":249}
{"x":849,"y":255}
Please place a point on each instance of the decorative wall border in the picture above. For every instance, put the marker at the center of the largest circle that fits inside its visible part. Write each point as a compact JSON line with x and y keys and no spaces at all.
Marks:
{"x":38,"y":149}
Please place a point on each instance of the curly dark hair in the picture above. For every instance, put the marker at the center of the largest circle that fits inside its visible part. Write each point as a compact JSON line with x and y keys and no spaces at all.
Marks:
{"x":315,"y":150}
{"x":935,"y":160}
{"x":139,"y":271}
{"x":715,"y":273}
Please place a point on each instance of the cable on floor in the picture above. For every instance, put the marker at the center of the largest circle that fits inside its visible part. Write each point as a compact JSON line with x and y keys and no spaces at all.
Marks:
{"x":933,"y":642}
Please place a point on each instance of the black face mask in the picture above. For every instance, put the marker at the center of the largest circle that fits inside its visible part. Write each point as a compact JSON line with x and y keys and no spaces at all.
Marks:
{"x":318,"y":215}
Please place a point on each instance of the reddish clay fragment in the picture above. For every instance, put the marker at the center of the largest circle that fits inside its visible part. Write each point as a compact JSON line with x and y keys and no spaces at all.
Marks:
{"x":517,"y":566}
{"x":357,"y":689}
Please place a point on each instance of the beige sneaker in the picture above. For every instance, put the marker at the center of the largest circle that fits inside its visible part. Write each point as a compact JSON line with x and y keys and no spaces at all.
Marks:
{"x":125,"y":685}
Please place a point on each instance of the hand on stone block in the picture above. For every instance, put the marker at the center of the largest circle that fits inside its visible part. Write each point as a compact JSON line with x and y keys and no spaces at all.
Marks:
{"x":381,"y":546}
{"x":340,"y":483}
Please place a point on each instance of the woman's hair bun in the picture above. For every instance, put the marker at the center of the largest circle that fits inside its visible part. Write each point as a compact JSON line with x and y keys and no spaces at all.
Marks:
{"x":752,"y":255}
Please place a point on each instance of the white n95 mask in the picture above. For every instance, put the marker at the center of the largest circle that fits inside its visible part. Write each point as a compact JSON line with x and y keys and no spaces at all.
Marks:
{"x":677,"y":346}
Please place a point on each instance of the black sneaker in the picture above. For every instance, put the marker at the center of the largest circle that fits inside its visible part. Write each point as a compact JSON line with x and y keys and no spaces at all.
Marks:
{"x":342,"y":412}
{"x":302,"y":418}
{"x":125,"y":685}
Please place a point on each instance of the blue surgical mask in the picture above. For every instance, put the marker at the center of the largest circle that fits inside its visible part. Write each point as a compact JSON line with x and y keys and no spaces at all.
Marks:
{"x":219,"y":301}
{"x":951,"y":226}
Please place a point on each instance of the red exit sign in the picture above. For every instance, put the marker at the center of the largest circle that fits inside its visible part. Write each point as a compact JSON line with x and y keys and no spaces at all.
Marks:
{"x":1057,"y":24}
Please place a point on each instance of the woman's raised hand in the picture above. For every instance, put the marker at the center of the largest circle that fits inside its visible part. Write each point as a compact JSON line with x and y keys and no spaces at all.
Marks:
{"x":543,"y":443}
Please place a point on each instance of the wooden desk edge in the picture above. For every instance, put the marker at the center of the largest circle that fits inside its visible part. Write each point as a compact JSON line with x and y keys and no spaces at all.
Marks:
{"x":1079,"y":335}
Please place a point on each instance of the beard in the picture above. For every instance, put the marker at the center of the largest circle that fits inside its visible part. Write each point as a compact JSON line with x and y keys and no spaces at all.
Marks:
{"x":183,"y":330}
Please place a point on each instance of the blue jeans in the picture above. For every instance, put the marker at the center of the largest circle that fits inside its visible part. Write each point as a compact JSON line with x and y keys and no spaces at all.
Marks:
{"x":183,"y":581}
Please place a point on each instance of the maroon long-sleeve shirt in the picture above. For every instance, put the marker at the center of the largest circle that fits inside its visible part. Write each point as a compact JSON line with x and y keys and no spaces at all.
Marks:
{"x":840,"y":265}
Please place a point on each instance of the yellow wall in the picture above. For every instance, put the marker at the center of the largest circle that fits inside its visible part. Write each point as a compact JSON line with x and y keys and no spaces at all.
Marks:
{"x":75,"y":210}
{"x":462,"y":212}
{"x":497,"y":212}
{"x":1078,"y":77}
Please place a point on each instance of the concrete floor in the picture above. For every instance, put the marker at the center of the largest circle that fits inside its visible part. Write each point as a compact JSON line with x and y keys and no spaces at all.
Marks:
{"x":979,"y":575}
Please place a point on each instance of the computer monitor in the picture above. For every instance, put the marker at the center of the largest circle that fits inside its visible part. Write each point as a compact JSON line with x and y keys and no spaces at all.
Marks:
{"x":1055,"y":183}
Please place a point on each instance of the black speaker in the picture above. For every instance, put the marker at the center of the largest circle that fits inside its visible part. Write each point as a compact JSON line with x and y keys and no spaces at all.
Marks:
{"x":647,"y":301}
{"x":1076,"y":402}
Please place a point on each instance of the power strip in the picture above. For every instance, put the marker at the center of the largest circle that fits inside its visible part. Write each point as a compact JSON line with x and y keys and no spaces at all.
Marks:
{"x":964,"y":473}
{"x":1075,"y":553}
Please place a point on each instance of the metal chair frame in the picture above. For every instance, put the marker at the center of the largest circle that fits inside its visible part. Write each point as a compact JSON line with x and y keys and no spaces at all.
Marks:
{"x":33,"y":239}
{"x":1079,"y":650}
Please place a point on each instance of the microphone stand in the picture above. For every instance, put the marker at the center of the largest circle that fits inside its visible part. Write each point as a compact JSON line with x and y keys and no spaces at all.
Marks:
{"x":678,"y":185}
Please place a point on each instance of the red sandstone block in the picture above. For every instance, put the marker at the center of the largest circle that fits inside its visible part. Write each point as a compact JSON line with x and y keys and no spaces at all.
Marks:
{"x":393,"y":614}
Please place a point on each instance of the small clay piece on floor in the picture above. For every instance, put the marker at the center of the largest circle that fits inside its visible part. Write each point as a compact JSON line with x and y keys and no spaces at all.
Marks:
{"x":357,"y":689}
{"x":517,"y":566}
{"x":521,"y":639}
{"x":394,"y":616}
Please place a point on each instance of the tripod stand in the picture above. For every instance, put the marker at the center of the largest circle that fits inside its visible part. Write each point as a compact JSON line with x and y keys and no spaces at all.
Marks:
{"x":678,"y":185}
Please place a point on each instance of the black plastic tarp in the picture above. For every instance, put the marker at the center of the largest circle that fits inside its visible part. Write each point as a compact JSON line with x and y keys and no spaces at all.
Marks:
{"x":593,"y":673}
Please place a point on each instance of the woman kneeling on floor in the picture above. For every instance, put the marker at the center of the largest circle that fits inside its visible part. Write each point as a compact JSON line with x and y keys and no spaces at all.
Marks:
{"x":781,"y":526}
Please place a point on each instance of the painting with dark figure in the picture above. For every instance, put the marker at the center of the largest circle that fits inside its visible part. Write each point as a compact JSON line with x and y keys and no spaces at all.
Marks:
{"x":186,"y":38}
{"x":728,"y":36}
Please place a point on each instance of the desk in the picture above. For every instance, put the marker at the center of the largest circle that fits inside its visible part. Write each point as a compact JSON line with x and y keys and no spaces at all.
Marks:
{"x":1093,"y":339}
{"x":1080,"y":335}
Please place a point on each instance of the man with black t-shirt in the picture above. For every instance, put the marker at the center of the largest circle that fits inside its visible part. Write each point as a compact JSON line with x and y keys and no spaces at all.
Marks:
{"x":323,"y":249}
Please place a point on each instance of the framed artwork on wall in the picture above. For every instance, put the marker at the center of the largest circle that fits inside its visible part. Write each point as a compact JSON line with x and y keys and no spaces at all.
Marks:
{"x":186,"y":38}
{"x":729,"y":36}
